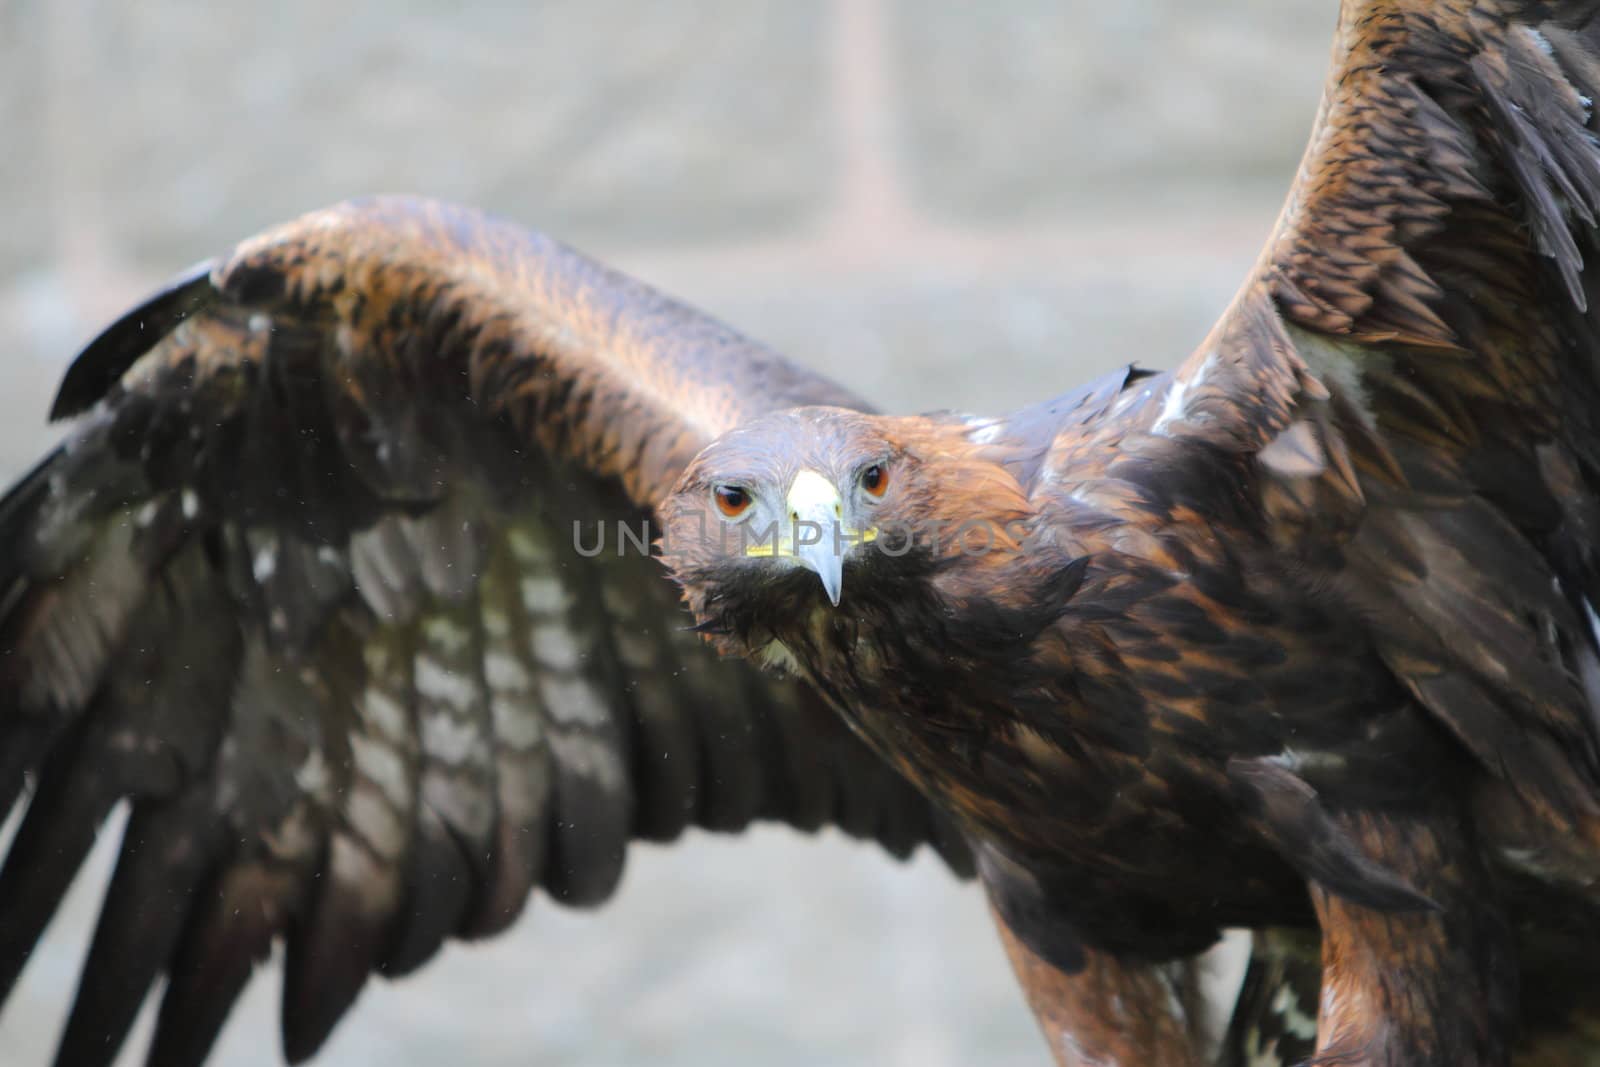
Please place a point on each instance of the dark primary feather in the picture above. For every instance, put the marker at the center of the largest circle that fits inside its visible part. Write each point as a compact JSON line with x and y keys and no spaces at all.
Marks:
{"x":302,"y":585}
{"x":104,"y":360}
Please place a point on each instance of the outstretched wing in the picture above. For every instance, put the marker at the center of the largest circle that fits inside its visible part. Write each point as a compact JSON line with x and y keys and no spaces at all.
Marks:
{"x":313,"y":582}
{"x":1410,"y":379}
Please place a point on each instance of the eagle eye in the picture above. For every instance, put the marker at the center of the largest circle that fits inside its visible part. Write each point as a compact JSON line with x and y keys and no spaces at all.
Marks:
{"x":732,"y":501}
{"x":875,"y":479}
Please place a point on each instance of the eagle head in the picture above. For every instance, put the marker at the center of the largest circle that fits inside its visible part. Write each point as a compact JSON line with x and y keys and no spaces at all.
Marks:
{"x":792,"y":511}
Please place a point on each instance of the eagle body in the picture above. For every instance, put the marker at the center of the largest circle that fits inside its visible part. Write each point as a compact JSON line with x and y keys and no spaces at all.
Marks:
{"x":994,"y":670}
{"x":1299,"y":636}
{"x":1112,"y":682}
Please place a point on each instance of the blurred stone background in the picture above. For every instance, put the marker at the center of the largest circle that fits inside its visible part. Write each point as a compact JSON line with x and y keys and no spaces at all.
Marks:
{"x":942,"y":204}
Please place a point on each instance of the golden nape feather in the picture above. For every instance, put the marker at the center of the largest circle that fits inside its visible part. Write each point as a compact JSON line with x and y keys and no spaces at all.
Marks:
{"x":1300,"y":636}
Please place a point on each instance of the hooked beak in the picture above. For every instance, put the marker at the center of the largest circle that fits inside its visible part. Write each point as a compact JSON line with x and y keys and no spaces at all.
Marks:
{"x":816,"y":514}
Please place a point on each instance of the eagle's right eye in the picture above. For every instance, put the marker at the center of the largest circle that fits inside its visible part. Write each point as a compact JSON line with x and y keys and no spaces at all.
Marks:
{"x":731,"y":500}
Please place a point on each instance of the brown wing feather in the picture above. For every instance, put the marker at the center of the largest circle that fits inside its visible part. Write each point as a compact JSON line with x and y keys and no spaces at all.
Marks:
{"x":303,"y":585}
{"x":1413,"y":369}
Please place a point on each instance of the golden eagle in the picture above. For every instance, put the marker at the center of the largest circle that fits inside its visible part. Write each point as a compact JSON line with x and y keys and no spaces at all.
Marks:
{"x":1301,"y":634}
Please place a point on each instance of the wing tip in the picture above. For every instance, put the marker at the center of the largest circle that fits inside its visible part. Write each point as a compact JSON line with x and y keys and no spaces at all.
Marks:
{"x":116,"y":348}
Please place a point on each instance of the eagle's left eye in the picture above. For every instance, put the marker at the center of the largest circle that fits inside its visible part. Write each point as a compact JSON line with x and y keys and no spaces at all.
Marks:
{"x":875,"y":479}
{"x":731,"y":500}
